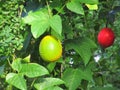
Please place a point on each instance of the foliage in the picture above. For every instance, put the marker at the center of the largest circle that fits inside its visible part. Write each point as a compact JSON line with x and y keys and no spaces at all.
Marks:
{"x":11,"y":27}
{"x":84,"y":65}
{"x":11,"y":33}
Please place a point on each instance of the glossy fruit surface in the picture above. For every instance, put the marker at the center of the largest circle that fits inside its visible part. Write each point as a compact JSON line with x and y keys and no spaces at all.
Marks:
{"x":106,"y":37}
{"x":50,"y":48}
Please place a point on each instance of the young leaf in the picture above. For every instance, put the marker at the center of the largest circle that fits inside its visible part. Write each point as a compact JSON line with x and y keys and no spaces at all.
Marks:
{"x":46,"y":83}
{"x":56,"y":24}
{"x":27,"y":59}
{"x":76,"y":7}
{"x":72,"y":78}
{"x":82,"y":46}
{"x":33,"y":70}
{"x":16,"y":80}
{"x":92,"y":7}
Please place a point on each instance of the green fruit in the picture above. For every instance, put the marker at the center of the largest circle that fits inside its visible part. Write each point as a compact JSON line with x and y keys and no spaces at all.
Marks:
{"x":50,"y":49}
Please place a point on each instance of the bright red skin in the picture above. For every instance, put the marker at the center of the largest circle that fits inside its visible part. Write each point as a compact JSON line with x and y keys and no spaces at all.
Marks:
{"x":106,"y":37}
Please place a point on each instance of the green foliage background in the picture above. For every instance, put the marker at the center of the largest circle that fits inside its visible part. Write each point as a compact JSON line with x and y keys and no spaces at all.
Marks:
{"x":11,"y":27}
{"x":23,"y":23}
{"x":11,"y":33}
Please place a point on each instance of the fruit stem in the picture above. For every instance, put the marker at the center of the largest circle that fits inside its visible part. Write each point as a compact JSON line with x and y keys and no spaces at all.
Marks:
{"x":61,"y":70}
{"x":106,"y":24}
{"x":102,"y":51}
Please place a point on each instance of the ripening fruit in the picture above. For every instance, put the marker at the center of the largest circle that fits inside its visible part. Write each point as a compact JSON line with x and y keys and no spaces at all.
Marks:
{"x":50,"y":48}
{"x":106,"y":37}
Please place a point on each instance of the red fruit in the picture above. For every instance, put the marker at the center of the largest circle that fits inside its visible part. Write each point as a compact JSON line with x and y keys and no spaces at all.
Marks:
{"x":106,"y":37}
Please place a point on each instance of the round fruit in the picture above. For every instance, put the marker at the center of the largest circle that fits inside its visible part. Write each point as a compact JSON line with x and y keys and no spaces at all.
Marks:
{"x":50,"y":48}
{"x":106,"y":37}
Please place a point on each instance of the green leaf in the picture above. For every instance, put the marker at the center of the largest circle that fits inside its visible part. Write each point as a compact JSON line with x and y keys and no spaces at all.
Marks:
{"x":33,"y":70}
{"x":68,"y":29}
{"x":88,"y":1}
{"x":82,"y":46}
{"x":72,"y":78}
{"x":54,"y":88}
{"x":51,"y":66}
{"x":46,"y":83}
{"x":37,"y":16}
{"x":29,"y":69}
{"x":86,"y":74}
{"x":28,"y":36}
{"x":38,"y":21}
{"x":76,"y":7}
{"x":38,"y":28}
{"x":2,"y":69}
{"x":16,"y":64}
{"x":56,"y":24}
{"x":16,"y":80}
{"x":57,"y":6}
{"x":104,"y":88}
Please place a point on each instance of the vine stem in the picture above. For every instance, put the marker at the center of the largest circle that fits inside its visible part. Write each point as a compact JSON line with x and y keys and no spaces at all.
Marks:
{"x":49,"y":10}
{"x":61,"y":8}
{"x":32,"y":83}
{"x":14,"y":57}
